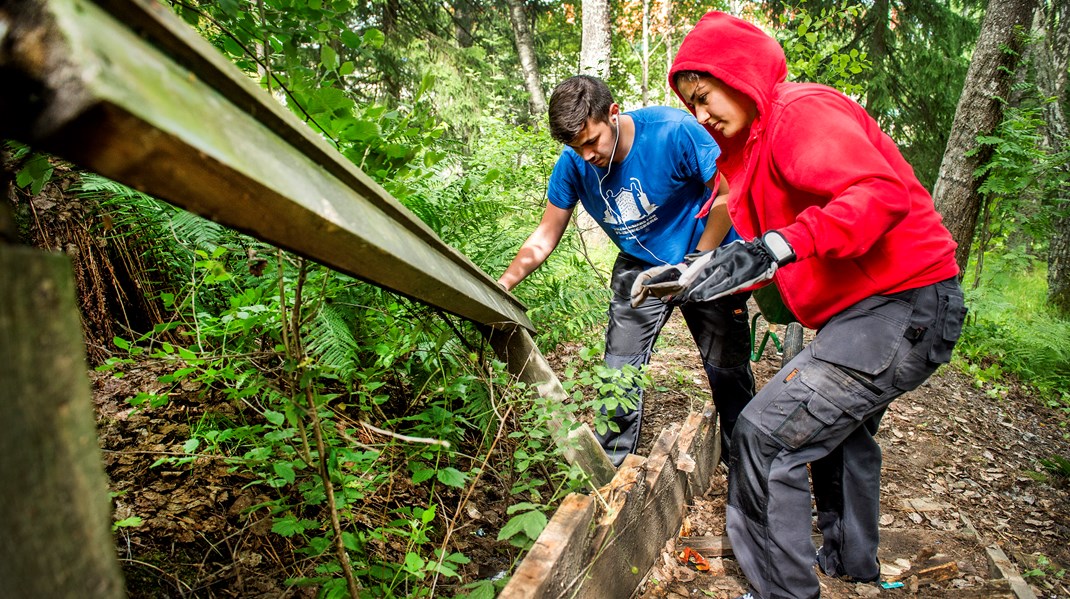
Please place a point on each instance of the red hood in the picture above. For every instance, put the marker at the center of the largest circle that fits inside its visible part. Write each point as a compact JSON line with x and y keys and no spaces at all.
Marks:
{"x":818,"y":169}
{"x":740,"y":55}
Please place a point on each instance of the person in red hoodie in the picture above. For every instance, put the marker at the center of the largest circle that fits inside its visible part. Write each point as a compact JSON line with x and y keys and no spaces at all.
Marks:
{"x":840,"y":224}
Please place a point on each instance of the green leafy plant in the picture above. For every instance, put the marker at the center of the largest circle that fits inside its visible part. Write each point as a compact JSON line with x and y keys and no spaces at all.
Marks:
{"x":816,"y":49}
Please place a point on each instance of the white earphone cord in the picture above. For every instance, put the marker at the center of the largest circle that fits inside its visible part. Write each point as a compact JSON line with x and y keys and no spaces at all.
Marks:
{"x":602,"y":194}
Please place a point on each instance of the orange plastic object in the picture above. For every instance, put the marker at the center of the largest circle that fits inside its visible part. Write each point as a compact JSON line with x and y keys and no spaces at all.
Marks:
{"x":691,"y":557}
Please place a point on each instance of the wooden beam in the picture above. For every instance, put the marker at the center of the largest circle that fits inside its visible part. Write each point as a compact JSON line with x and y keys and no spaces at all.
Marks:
{"x":199,"y":134}
{"x":612,"y":547}
{"x":1001,"y":566}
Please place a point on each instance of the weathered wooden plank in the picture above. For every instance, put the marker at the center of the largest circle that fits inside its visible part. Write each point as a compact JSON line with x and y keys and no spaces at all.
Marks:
{"x":716,"y":545}
{"x":556,"y":559}
{"x":80,"y":84}
{"x":56,"y":539}
{"x":1001,"y":566}
{"x":644,"y":507}
{"x":699,"y":437}
{"x":642,"y":517}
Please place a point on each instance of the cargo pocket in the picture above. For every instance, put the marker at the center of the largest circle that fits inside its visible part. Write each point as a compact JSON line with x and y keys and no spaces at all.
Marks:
{"x":806,"y":421}
{"x":866,"y":336}
{"x":934,"y":348}
{"x":953,"y":310}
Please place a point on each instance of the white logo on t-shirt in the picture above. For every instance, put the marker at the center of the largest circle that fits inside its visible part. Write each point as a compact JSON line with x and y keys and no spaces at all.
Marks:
{"x":631,"y":204}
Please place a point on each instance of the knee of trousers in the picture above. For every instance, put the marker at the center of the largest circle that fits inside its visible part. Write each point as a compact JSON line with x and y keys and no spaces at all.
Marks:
{"x":735,"y":384}
{"x":753,"y":453}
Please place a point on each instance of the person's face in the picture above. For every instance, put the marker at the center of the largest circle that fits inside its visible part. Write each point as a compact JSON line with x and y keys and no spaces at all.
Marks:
{"x":594,"y":143}
{"x":725,"y":109}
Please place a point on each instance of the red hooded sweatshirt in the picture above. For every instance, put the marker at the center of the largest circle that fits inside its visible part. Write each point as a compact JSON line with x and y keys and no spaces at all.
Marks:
{"x":816,"y":167}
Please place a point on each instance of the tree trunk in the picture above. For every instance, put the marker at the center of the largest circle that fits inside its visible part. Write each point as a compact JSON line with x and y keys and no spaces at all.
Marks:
{"x":55,"y":537}
{"x":1051,"y":51}
{"x":979,"y":112}
{"x":525,"y":48}
{"x":670,"y":51}
{"x":646,"y":53}
{"x":463,"y":19}
{"x":391,"y":85}
{"x":597,"y":40}
{"x":878,"y":48}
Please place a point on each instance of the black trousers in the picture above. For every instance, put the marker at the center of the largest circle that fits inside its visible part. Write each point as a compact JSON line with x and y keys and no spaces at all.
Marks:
{"x":823,"y":408}
{"x":721,"y":330}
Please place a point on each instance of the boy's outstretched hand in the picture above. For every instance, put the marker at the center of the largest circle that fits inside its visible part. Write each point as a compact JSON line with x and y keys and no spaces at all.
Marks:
{"x":716,"y":273}
{"x":655,"y":278}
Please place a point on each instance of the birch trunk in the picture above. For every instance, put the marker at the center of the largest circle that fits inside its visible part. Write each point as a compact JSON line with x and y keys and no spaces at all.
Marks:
{"x":597,"y":40}
{"x":525,"y":48}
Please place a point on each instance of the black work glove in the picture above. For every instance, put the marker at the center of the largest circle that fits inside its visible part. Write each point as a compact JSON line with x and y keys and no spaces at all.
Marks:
{"x":725,"y":270}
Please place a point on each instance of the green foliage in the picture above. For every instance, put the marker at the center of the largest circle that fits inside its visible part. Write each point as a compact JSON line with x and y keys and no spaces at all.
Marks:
{"x":1044,"y":567}
{"x":1057,"y":465}
{"x":131,"y":522}
{"x":817,"y":50}
{"x":34,"y":169}
{"x":364,"y":355}
{"x":1011,"y":332}
{"x":1025,"y":183}
{"x":606,"y":391}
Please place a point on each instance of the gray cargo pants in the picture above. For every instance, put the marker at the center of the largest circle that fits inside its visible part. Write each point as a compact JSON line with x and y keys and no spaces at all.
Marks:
{"x":823,"y":409}
{"x":721,"y":331}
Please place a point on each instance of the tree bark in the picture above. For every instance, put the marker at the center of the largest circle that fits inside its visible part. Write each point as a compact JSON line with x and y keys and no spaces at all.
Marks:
{"x":646,"y":53}
{"x":1051,"y":52}
{"x":56,"y":540}
{"x":670,"y":50}
{"x":391,"y":85}
{"x":878,"y":47}
{"x":597,"y":40}
{"x":463,"y":19}
{"x":525,"y":48}
{"x":979,"y":112}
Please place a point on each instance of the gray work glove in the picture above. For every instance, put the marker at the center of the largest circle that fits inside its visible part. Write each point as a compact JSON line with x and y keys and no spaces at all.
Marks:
{"x":724,"y":271}
{"x":658,"y":275}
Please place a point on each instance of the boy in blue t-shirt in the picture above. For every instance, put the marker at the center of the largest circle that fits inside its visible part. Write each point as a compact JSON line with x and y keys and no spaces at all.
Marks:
{"x":646,"y":178}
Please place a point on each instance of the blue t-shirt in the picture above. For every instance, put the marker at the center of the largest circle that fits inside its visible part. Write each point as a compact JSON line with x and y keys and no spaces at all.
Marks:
{"x":648,"y":202}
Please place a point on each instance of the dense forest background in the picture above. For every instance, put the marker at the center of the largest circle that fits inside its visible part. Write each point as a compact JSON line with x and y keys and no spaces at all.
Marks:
{"x":443,"y":104}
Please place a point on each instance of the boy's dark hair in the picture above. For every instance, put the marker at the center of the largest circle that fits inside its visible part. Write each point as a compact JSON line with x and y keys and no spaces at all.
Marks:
{"x":575,"y":100}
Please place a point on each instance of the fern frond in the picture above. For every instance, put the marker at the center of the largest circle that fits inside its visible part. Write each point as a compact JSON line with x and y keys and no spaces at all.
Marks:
{"x":330,"y":341}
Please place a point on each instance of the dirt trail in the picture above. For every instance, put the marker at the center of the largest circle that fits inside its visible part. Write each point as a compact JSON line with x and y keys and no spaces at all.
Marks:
{"x":953,"y":456}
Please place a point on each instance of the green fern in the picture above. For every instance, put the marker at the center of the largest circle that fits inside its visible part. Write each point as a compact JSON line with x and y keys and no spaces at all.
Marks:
{"x":330,"y":341}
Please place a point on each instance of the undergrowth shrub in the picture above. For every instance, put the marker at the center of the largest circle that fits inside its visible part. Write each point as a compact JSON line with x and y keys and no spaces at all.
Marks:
{"x":1010,"y":331}
{"x":368,"y":419}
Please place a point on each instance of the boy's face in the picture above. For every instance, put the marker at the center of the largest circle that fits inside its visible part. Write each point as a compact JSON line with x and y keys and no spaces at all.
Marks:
{"x":595,"y":142}
{"x":725,"y":109}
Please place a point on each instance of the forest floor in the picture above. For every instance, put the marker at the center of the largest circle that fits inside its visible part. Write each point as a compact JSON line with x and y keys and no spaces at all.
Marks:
{"x":953,"y":457}
{"x":956,"y":460}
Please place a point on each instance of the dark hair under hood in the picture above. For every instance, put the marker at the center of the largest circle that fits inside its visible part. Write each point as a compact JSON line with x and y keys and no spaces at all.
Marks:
{"x":740,"y":55}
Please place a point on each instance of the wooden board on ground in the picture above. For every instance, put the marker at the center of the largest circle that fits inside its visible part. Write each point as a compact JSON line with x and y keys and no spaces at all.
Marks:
{"x":928,"y":563}
{"x":607,"y":553}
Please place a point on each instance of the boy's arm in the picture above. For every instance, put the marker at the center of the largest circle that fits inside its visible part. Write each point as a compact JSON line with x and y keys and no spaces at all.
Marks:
{"x":538,"y":246}
{"x":717,"y":222}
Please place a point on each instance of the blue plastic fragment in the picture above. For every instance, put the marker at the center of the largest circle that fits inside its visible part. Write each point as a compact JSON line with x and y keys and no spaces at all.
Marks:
{"x":891,"y":585}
